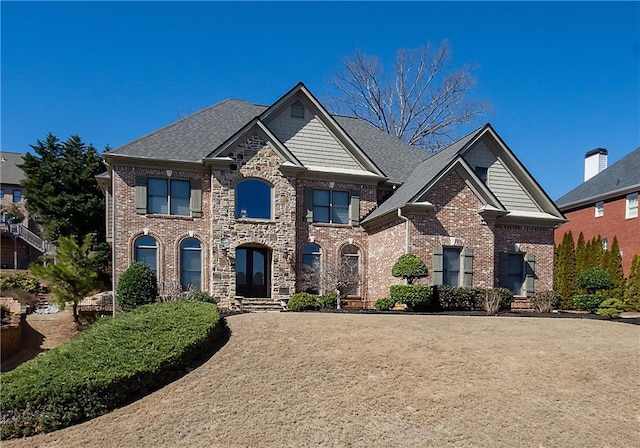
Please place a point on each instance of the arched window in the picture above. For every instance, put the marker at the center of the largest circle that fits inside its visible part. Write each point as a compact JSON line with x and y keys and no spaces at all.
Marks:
{"x":311,"y":269}
{"x":253,"y":199}
{"x":191,"y":264}
{"x":146,"y":251}
{"x":350,"y":269}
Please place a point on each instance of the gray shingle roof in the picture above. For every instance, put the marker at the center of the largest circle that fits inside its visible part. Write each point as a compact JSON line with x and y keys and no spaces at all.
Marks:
{"x":195,"y":136}
{"x":422,"y":175}
{"x":394,"y":157}
{"x":9,"y":171}
{"x":620,"y":178}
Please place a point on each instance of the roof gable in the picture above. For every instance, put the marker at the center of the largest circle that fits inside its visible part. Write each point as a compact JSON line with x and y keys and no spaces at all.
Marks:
{"x":618,"y":179}
{"x":428,"y":173}
{"x":11,"y":174}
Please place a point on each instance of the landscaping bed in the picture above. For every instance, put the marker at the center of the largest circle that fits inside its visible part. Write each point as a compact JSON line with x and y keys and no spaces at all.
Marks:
{"x":112,"y":363}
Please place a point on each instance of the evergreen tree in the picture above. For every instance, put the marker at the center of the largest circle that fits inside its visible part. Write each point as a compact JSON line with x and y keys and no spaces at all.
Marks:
{"x":596,"y":252}
{"x":63,"y":195}
{"x":582,"y":255}
{"x":72,"y":277}
{"x":612,"y":264}
{"x":565,"y":274}
{"x":632,"y":290}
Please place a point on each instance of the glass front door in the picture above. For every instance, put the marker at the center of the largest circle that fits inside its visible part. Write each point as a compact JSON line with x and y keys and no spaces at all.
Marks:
{"x":252,"y":272}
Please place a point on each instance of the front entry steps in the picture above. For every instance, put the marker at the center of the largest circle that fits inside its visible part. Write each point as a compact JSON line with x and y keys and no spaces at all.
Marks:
{"x":522,"y":305}
{"x":253,"y":305}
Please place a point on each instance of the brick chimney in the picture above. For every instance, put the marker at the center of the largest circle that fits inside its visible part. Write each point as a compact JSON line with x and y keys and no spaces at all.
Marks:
{"x":594,"y":162}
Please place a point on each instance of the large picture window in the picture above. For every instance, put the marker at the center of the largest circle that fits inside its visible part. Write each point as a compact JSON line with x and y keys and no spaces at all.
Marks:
{"x":146,"y":251}
{"x":168,"y":196}
{"x":512,"y":272}
{"x":191,"y":264}
{"x":331,"y":206}
{"x":253,"y":199}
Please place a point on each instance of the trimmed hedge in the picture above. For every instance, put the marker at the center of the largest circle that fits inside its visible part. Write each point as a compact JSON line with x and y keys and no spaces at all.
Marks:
{"x":417,"y":297}
{"x":455,"y":298}
{"x":112,"y":363}
{"x":588,"y":302}
{"x":384,"y":304}
{"x":303,"y":301}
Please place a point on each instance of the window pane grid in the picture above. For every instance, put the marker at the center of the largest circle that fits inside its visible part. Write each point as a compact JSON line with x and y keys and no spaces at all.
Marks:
{"x":331,"y":206}
{"x":451,"y":266}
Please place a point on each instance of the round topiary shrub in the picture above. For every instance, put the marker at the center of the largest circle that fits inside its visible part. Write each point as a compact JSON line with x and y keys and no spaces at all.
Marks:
{"x":611,"y":308}
{"x":409,"y":267}
{"x":137,"y":286}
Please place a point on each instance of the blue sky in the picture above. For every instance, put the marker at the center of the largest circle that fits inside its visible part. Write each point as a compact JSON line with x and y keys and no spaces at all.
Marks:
{"x":561,"y":78}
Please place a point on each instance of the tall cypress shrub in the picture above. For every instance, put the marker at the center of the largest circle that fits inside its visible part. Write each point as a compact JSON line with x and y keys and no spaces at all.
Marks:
{"x":582,"y":255}
{"x":612,"y":264}
{"x":565,"y":273}
{"x":632,"y":290}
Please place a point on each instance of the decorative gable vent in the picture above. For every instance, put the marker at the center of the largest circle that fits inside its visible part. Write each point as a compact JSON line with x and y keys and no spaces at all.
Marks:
{"x":297,"y":110}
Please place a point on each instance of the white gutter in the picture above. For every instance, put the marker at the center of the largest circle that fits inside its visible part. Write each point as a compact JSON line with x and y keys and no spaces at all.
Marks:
{"x":113,"y":243}
{"x":406,"y":230}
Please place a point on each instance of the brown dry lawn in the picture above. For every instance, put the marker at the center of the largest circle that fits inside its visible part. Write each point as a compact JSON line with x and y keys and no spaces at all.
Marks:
{"x":292,"y":379}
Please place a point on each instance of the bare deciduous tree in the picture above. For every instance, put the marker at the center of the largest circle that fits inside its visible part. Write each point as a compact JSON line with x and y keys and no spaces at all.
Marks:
{"x":421,"y":101}
{"x":340,"y":277}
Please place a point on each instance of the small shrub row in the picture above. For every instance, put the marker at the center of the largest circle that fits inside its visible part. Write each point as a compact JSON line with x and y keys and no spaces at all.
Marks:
{"x":545,"y":301}
{"x":588,"y":302}
{"x":303,"y":301}
{"x":611,"y":308}
{"x":384,"y":304}
{"x":455,"y":298}
{"x":20,"y":281}
{"x":112,"y":363}
{"x":416,"y":297}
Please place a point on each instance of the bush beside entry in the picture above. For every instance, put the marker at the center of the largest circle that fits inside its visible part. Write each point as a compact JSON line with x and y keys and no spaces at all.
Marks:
{"x":137,"y":286}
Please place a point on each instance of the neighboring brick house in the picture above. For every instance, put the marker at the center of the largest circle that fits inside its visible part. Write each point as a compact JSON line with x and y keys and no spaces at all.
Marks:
{"x":606,"y":204}
{"x":239,"y":199}
{"x":19,"y":243}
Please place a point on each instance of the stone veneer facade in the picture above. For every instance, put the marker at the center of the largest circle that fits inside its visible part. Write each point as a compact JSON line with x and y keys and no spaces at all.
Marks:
{"x":454,"y":221}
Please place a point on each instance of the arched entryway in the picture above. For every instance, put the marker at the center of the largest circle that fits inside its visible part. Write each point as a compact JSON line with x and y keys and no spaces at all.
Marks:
{"x":253,"y":272}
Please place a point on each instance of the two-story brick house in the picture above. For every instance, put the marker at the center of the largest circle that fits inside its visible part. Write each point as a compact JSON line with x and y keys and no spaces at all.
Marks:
{"x":606,"y":203}
{"x":238,"y":199}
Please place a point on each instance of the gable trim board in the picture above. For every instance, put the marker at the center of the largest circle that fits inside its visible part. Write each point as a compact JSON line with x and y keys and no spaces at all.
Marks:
{"x":213,"y":198}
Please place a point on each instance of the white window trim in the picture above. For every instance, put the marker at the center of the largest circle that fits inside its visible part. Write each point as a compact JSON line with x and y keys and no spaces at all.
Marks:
{"x":631,"y":212}
{"x":599,"y":209}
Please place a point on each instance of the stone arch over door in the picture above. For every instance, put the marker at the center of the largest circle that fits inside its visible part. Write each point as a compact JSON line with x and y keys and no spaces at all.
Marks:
{"x":253,"y":271}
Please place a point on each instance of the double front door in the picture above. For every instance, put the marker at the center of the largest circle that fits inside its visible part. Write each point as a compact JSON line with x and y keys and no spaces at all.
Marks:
{"x":252,"y":272}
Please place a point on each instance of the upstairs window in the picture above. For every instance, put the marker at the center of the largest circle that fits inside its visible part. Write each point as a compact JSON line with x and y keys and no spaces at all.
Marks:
{"x":331,"y":206}
{"x":632,"y":206}
{"x":146,"y":251}
{"x":253,"y":199}
{"x":17,"y":196}
{"x":599,"y":209}
{"x":164,"y":196}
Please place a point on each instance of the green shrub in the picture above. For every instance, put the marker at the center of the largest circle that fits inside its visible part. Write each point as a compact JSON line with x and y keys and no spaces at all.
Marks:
{"x":200,"y":296}
{"x":409,"y":267}
{"x":384,"y":304}
{"x":137,"y":286}
{"x":594,"y":279}
{"x":417,"y":297}
{"x":454,"y":298}
{"x":327,"y":301}
{"x":112,"y":363}
{"x":20,"y":281}
{"x":588,"y":302}
{"x":303,"y":301}
{"x":545,"y":301}
{"x":457,"y":298}
{"x":611,"y":308}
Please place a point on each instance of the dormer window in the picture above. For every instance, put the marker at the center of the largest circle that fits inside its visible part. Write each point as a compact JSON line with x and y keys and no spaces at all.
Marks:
{"x":297,"y":110}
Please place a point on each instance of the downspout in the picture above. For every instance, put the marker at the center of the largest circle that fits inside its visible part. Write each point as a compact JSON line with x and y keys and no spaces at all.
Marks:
{"x":406,"y":230}
{"x":113,"y":244}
